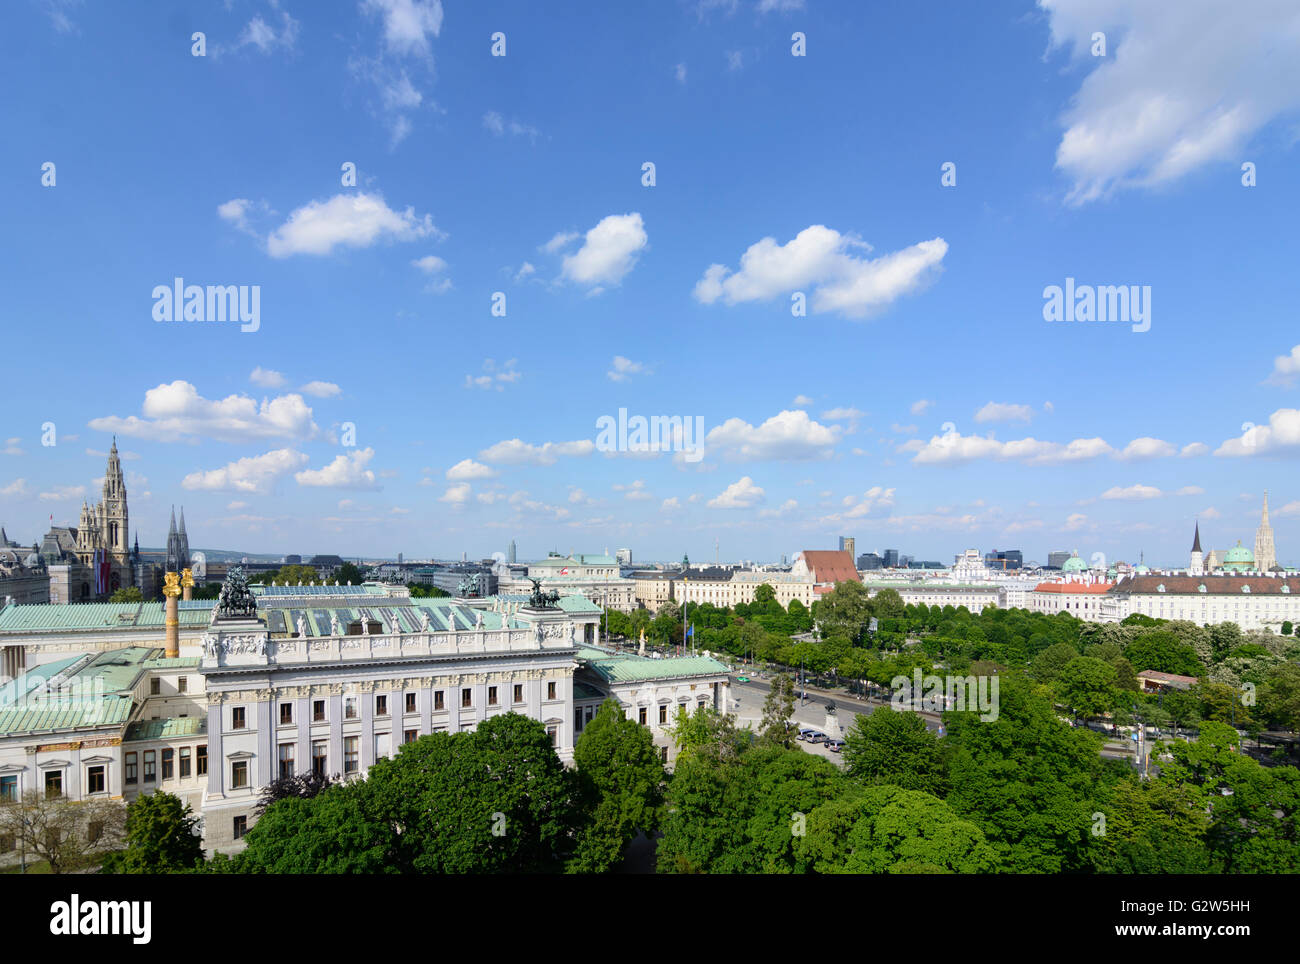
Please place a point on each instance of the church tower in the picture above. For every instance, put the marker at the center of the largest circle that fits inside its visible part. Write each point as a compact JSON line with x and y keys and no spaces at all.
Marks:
{"x":185,"y":542}
{"x":1265,"y":554}
{"x":112,"y":509}
{"x":1197,"y":565}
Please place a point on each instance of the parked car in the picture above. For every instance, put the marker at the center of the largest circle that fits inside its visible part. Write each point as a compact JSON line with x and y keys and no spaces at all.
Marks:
{"x":835,"y":746}
{"x":817,"y":736}
{"x":805,"y":732}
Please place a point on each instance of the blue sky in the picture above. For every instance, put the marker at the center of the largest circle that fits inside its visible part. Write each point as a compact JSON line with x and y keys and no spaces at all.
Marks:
{"x":922,"y":403}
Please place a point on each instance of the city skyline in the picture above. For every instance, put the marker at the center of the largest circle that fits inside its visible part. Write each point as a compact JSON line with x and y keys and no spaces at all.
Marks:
{"x":922,"y":403}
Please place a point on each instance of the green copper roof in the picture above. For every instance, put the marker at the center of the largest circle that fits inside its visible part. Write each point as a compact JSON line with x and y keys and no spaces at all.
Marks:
{"x":165,"y":729}
{"x":52,"y":618}
{"x":583,"y":691}
{"x":629,"y":668}
{"x":65,"y":715}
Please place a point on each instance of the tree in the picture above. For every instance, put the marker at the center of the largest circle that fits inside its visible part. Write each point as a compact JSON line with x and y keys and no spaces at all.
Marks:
{"x":1164,"y":652}
{"x":708,"y":733}
{"x":620,"y":787}
{"x":68,"y":835}
{"x":1153,"y":827}
{"x":1279,"y":697}
{"x":892,"y":747}
{"x":845,"y":611}
{"x":303,"y":786}
{"x":339,"y":831}
{"x":888,"y":604}
{"x":776,"y":727}
{"x":161,"y":838}
{"x":419,"y":591}
{"x":1087,"y":686}
{"x":1048,"y":664}
{"x":127,"y":594}
{"x":349,"y":573}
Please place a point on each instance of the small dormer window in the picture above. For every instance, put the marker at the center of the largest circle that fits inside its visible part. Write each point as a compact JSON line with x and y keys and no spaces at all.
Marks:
{"x":1286,"y":588}
{"x":1201,"y":588}
{"x":1245,"y":588}
{"x":1160,"y":588}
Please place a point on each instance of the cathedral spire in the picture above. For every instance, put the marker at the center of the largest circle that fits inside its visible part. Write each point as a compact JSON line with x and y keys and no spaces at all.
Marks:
{"x":1265,"y":552}
{"x":1196,"y":540}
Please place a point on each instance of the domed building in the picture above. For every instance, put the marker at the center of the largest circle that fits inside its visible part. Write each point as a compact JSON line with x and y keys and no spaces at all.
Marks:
{"x":1238,"y":559}
{"x":1074,"y":566}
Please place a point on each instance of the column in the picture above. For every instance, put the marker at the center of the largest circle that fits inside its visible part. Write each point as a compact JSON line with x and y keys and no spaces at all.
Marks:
{"x":216,"y":760}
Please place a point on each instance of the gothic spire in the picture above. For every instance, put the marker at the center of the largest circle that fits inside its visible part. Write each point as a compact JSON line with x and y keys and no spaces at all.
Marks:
{"x":1196,"y":540}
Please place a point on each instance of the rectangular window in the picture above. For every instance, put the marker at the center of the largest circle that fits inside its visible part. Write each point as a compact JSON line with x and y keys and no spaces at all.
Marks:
{"x":383,"y":745}
{"x":286,"y":760}
{"x":132,"y":771}
{"x":239,"y":774}
{"x":466,"y":697}
{"x":410,"y":702}
{"x":492,"y":696}
{"x":286,"y":714}
{"x":438,"y":703}
{"x":319,"y":757}
{"x":663,"y":713}
{"x":150,"y":766}
{"x":240,"y":827}
{"x":95,"y":779}
{"x":553,"y":732}
{"x":169,"y":763}
{"x":381,"y":705}
{"x":519,"y":693}
{"x":318,"y":711}
{"x":155,"y":686}
{"x":53,"y":783}
{"x":550,"y":690}
{"x":577,"y":720}
{"x":351,"y":759}
{"x":237,"y":718}
{"x":185,"y":762}
{"x":201,"y":760}
{"x":182,"y":684}
{"x":9,"y":787}
{"x":349,"y":707}
{"x":410,"y":736}
{"x":641,"y":717}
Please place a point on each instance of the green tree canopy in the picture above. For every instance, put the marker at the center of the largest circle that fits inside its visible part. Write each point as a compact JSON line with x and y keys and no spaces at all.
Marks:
{"x":887,"y":746}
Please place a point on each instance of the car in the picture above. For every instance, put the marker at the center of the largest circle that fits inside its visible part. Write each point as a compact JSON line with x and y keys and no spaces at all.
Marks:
{"x":805,"y":732}
{"x":816,"y":736}
{"x":835,"y":746}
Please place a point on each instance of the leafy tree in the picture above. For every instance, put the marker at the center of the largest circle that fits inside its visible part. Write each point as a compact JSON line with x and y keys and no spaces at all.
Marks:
{"x":1153,"y":827}
{"x":342,"y":830}
{"x":1164,"y":652}
{"x":419,"y":591}
{"x":287,"y":575}
{"x":349,"y":572}
{"x":1279,"y":697}
{"x":161,"y":838}
{"x":303,"y":786}
{"x":888,"y":829}
{"x":886,"y":746}
{"x":127,"y":594}
{"x":1048,"y":664}
{"x":67,"y":834}
{"x":845,"y":611}
{"x":888,"y":604}
{"x":708,"y":733}
{"x":777,"y":709}
{"x":1087,"y":686}
{"x":620,"y":781}
{"x":1224,"y":638}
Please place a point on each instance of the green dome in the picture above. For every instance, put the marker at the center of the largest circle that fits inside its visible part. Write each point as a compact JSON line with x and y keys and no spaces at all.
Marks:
{"x":1239,"y":558}
{"x":1142,"y":569}
{"x":1074,"y":564}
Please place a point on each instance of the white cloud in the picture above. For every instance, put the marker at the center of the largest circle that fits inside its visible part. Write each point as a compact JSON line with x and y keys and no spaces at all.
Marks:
{"x":1280,"y":435}
{"x":742,"y":494}
{"x":494,"y":377}
{"x":802,"y":401}
{"x":680,"y":73}
{"x":518,"y":452}
{"x":348,"y":220}
{"x":525,"y":269}
{"x":237,"y":210}
{"x":321,"y":389}
{"x":1195,"y":448}
{"x":624,"y":367}
{"x":954,"y":447}
{"x":608,"y":252}
{"x":255,"y":474}
{"x":560,"y":240}
{"x":408,"y":24}
{"x":789,"y":435}
{"x":785,"y":508}
{"x":430,"y":264}
{"x":1075,"y":522}
{"x":63,"y":493}
{"x":345,"y":472}
{"x":467,"y":470}
{"x":819,"y":257}
{"x":499,"y":126}
{"x":670,"y":504}
{"x":1285,"y":369}
{"x":265,"y":38}
{"x":176,"y":411}
{"x":635,"y":492}
{"x":1181,"y":87}
{"x":735,"y":59}
{"x":236,"y":505}
{"x":1211,"y":513}
{"x":17,"y":489}
{"x":1146,"y":448}
{"x":1190,"y":490}
{"x":920,"y":407}
{"x":843,"y":415}
{"x":456,"y":494}
{"x":781,"y":6}
{"x":12,"y":447}
{"x":1133,"y":493}
{"x":1004,"y":412}
{"x":266,"y":378}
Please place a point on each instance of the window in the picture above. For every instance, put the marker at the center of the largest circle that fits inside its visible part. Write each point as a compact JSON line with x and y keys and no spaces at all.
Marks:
{"x":201,"y":761}
{"x":155,"y":686}
{"x":240,"y":827}
{"x":318,"y":711}
{"x":591,"y":711}
{"x":663,"y":713}
{"x":349,"y":707}
{"x":132,"y":769}
{"x":319,"y":756}
{"x":438,"y":703}
{"x":467,"y":697}
{"x":169,"y":763}
{"x":383,"y":745}
{"x":286,"y":760}
{"x":663,"y":754}
{"x":185,"y":762}
{"x":381,"y":705}
{"x":53,"y":783}
{"x":492,"y":696}
{"x":95,"y":780}
{"x":641,"y":716}
{"x":9,"y":787}
{"x":237,"y":718}
{"x":410,"y":736}
{"x":239,"y":774}
{"x":518,"y":696}
{"x":150,"y":766}
{"x":182,"y":684}
{"x":553,"y":732}
{"x":550,"y":690}
{"x":410,"y":703}
{"x":577,"y":720}
{"x":286,"y":714}
{"x":350,"y":755}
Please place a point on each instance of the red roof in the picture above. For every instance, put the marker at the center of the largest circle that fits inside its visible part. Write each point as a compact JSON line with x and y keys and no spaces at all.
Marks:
{"x":1091,"y":588}
{"x":831,"y":565}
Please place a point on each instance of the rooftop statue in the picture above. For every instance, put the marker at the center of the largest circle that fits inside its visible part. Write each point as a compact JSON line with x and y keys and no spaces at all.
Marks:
{"x":236,"y":602}
{"x":542,"y":600}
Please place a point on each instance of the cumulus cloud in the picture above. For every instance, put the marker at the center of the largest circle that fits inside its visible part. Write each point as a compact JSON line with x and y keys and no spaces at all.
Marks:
{"x":1004,"y":412}
{"x":1195,"y":448}
{"x":321,"y":389}
{"x":823,"y":259}
{"x":1280,"y":436}
{"x":262,"y":35}
{"x":790,"y":435}
{"x":741,"y":494}
{"x":17,"y":489}
{"x":467,"y":470}
{"x":238,"y":211}
{"x":256,"y":474}
{"x":622,"y":367}
{"x":802,"y":401}
{"x":347,"y":220}
{"x":456,"y":494}
{"x":920,"y":407}
{"x":494,"y":377}
{"x":1181,"y":87}
{"x":1132,"y":493}
{"x":266,"y":378}
{"x":518,"y":452}
{"x":954,"y":447}
{"x":608,"y":252}
{"x":1285,"y":369}
{"x":1075,"y":522}
{"x":1146,"y":448}
{"x":63,"y":493}
{"x":408,"y":24}
{"x":345,"y":472}
{"x":176,"y":412}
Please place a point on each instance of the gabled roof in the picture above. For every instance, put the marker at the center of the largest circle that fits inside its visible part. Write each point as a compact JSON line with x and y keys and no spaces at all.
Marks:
{"x":1090,"y":588}
{"x":1221,"y":585}
{"x":831,"y":565}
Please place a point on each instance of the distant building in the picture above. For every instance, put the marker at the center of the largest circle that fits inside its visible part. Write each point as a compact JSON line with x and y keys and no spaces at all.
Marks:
{"x":847,"y":545}
{"x":624,"y":557}
{"x":1056,"y":560}
{"x":869,"y":560}
{"x":890,"y":559}
{"x":293,"y":560}
{"x":511,"y":558}
{"x":1004,"y":559}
